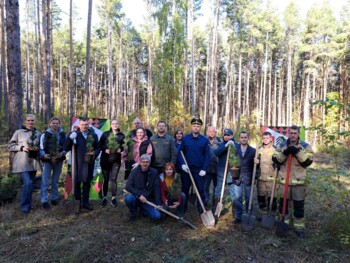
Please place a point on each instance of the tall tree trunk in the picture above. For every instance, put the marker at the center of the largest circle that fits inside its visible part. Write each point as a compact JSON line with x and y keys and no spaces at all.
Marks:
{"x":71,"y":61}
{"x":87,"y":62}
{"x":27,"y":80}
{"x":47,"y":59}
{"x":14,"y":70}
{"x":3,"y":61}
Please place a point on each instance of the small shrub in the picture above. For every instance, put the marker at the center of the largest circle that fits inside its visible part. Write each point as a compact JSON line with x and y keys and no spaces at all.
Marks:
{"x":8,"y":187}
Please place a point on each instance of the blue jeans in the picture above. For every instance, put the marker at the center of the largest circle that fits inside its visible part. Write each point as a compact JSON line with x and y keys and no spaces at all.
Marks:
{"x":133,"y":203}
{"x":239,"y":199}
{"x":27,"y":188}
{"x":208,"y":178}
{"x":56,"y":170}
{"x":231,"y":187}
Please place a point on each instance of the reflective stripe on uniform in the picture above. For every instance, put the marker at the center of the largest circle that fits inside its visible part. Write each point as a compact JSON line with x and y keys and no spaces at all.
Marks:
{"x":299,"y":223}
{"x":292,"y":182}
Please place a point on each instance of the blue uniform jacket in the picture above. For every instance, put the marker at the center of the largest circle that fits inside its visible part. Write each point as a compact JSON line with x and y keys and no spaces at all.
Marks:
{"x":221,"y":152}
{"x":196,"y":151}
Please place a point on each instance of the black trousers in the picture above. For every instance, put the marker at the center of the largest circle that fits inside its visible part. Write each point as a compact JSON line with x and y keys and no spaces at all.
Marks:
{"x":86,"y":192}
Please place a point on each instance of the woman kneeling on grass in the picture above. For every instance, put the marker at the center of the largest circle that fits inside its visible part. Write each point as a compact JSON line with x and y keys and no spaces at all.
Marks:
{"x":170,"y":186}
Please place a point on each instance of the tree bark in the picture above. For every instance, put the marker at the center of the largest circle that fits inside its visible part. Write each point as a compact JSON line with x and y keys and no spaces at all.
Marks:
{"x":14,"y":69}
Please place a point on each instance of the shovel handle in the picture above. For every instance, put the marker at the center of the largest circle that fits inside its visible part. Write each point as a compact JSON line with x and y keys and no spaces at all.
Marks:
{"x":253,"y":181}
{"x":193,"y":182}
{"x":273,"y":189}
{"x":285,"y":194}
{"x":225,"y":174}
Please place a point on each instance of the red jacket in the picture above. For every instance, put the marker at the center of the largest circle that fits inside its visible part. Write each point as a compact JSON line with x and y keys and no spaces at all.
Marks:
{"x":165,"y":191}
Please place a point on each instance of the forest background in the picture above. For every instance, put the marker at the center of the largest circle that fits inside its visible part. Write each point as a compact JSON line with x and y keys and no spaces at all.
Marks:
{"x":249,"y":65}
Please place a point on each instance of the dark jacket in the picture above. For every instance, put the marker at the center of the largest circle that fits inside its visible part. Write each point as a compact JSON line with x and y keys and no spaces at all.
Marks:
{"x":196,"y":151}
{"x":213,"y":158}
{"x":103,"y":145}
{"x":221,"y":153}
{"x":247,"y":164}
{"x":144,"y":183}
{"x":83,"y":171}
{"x":49,"y":139}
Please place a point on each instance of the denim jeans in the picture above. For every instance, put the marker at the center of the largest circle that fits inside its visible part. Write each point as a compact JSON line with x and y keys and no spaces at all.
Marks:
{"x":133,"y":203}
{"x":27,"y":188}
{"x":48,"y":179}
{"x":231,"y":187}
{"x":239,"y":199}
{"x":208,"y":178}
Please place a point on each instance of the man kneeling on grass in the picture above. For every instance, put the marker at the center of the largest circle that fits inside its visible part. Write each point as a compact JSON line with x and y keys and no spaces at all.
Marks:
{"x":143,"y":185}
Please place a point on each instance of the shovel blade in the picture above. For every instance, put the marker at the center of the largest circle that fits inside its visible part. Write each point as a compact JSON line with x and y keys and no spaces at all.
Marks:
{"x":248,"y":222}
{"x":208,"y":219}
{"x":268,"y":221}
{"x":218,"y":209}
{"x":281,"y":229}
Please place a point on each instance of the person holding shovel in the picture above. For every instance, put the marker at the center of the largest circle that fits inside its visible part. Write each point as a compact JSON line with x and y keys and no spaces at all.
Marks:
{"x":246,"y":154}
{"x":265,"y":174}
{"x":302,"y":155}
{"x":143,"y":185}
{"x":111,"y":145}
{"x":52,"y":156}
{"x":24,"y":141}
{"x":221,"y":153}
{"x":195,"y":148}
{"x":86,"y":151}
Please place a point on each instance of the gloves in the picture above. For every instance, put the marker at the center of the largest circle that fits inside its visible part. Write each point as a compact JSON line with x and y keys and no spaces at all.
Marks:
{"x":293,"y":150}
{"x":134,"y":166}
{"x":184,"y":167}
{"x":276,"y":165}
{"x":230,"y":142}
{"x":202,"y":173}
{"x":286,"y":152}
{"x":73,"y":135}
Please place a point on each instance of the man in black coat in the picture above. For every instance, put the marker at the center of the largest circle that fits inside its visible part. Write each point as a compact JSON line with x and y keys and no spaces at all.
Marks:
{"x":143,"y":185}
{"x":246,"y":154}
{"x":84,"y":141}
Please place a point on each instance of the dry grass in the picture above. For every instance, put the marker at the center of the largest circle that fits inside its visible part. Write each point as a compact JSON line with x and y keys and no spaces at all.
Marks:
{"x":104,"y":235}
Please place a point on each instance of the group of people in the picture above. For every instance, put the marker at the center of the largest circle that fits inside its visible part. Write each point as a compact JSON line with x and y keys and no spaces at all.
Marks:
{"x":158,"y":167}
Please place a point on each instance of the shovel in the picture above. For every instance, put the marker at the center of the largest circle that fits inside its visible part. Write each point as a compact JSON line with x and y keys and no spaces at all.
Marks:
{"x":73,"y":206}
{"x":268,"y":221}
{"x":172,"y":215}
{"x":207,"y":216}
{"x":219,"y":205}
{"x":282,"y":227}
{"x":248,"y":220}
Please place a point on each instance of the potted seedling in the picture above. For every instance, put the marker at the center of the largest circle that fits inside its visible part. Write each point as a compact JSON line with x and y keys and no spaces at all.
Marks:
{"x":54,"y":150}
{"x":89,"y":155}
{"x":234,"y":163}
{"x":174,"y":191}
{"x":114,"y":148}
{"x":33,"y":143}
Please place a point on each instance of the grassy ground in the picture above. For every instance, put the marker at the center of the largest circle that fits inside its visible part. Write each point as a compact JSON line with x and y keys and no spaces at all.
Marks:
{"x":105,"y":235}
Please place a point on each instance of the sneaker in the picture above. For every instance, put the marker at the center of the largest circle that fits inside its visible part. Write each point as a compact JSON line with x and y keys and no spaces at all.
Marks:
{"x":104,"y":202}
{"x":46,"y":206}
{"x":300,"y":233}
{"x":54,"y":202}
{"x":114,"y":202}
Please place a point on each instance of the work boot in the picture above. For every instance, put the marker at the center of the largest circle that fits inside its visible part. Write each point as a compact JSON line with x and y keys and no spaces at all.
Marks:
{"x":104,"y":202}
{"x":46,"y":206}
{"x":300,"y":233}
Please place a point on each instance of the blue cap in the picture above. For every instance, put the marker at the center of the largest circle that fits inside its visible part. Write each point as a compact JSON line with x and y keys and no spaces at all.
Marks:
{"x":228,"y":131}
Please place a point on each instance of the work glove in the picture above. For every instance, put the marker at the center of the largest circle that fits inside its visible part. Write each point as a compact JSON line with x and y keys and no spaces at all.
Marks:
{"x":276,"y":165}
{"x":202,"y":173}
{"x":134,"y":166}
{"x":184,"y":167}
{"x":230,"y":142}
{"x":73,"y":135}
{"x":293,"y":150}
{"x":286,"y":152}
